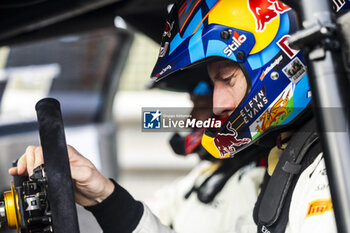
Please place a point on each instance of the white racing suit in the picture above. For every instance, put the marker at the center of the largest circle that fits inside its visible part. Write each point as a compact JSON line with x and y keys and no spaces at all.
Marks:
{"x":310,"y":211}
{"x":224,"y":213}
{"x":311,"y":207}
{"x":230,"y":212}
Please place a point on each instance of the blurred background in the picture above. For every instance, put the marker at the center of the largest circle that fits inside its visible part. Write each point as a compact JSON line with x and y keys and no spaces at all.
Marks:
{"x":98,"y":67}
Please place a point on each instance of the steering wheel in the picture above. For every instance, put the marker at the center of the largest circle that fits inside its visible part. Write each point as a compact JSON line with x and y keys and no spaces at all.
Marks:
{"x":57,"y":169}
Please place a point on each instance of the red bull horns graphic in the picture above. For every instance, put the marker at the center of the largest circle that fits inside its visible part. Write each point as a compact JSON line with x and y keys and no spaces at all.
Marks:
{"x":264,"y":11}
{"x":226,"y":143}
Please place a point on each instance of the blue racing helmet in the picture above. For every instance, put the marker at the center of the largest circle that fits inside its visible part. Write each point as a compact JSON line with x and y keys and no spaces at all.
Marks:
{"x":254,"y":34}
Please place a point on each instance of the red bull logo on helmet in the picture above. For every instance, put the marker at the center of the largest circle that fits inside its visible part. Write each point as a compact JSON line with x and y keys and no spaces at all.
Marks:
{"x":264,"y":11}
{"x":226,"y":143}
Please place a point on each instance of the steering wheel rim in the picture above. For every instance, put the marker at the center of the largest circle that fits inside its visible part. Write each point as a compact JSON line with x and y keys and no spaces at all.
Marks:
{"x":57,"y":168}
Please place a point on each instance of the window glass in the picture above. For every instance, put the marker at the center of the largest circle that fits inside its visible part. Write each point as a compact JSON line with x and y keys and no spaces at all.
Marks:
{"x":74,"y":69}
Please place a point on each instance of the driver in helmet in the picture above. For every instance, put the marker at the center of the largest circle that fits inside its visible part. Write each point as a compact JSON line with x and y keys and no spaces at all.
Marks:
{"x":261,"y":85}
{"x":214,"y":188}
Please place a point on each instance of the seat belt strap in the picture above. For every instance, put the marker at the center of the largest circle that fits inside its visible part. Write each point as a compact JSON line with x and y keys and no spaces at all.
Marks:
{"x":281,"y":183}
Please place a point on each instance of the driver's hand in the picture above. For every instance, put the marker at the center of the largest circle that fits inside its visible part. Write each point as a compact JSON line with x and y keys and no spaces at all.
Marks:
{"x":90,"y":186}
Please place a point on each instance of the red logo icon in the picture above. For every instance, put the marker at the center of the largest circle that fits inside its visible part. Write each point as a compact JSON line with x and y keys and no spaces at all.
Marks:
{"x":264,"y":11}
{"x":226,"y":143}
{"x":283,"y":44}
{"x":168,"y":28}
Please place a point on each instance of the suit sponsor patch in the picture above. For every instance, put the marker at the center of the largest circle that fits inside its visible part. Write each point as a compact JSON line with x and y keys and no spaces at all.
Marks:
{"x":319,"y":207}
